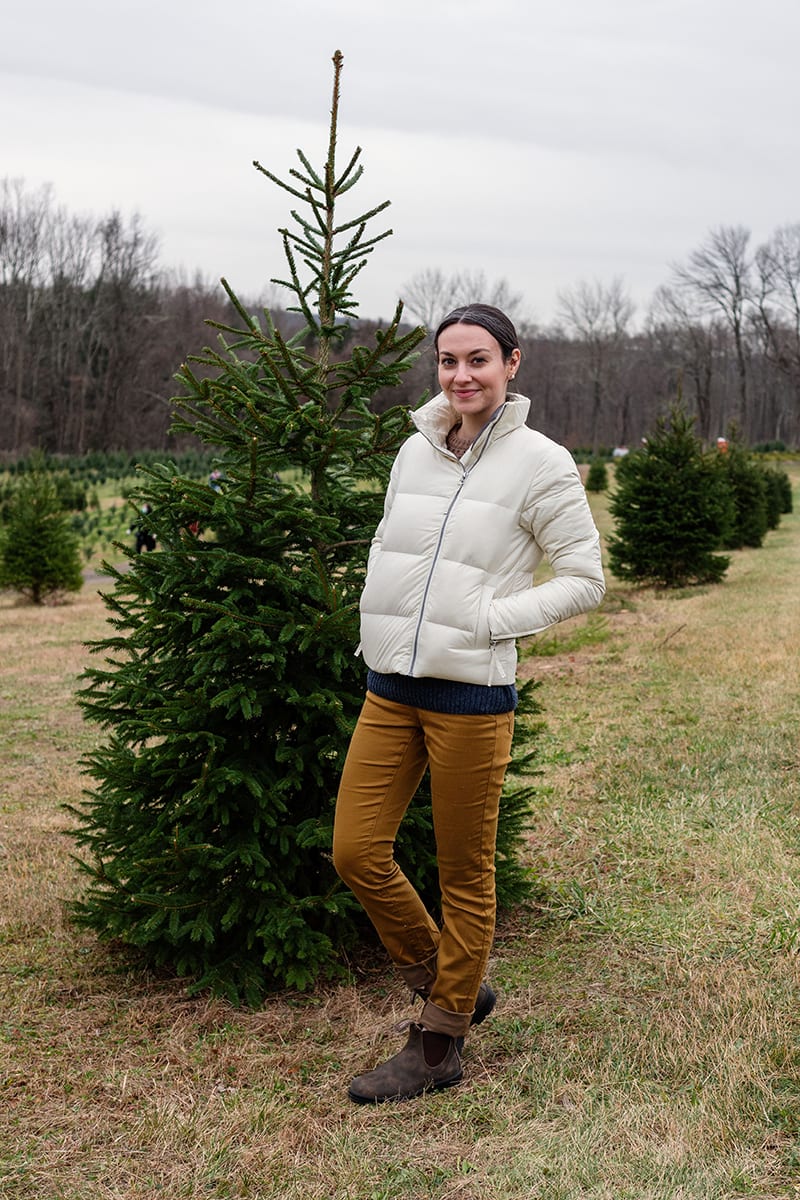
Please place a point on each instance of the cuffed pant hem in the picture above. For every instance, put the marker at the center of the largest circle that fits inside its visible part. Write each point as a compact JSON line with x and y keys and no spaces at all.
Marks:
{"x":439,"y":1020}
{"x":418,"y":975}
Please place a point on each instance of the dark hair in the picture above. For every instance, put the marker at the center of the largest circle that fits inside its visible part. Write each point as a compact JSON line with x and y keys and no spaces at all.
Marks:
{"x":489,"y":318}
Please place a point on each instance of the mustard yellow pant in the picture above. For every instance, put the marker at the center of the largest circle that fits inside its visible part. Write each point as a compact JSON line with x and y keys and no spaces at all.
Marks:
{"x":467,"y":755}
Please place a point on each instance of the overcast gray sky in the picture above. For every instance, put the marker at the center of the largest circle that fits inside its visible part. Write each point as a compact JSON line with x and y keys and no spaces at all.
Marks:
{"x":541,"y":142}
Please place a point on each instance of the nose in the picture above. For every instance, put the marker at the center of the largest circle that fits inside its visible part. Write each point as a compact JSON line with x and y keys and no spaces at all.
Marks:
{"x":462,"y":372}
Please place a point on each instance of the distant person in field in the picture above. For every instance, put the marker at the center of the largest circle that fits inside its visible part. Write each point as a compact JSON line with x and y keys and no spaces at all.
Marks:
{"x":476,"y":500}
{"x":145,"y":538}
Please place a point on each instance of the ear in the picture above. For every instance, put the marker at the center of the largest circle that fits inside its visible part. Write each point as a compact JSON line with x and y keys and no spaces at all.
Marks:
{"x":513,"y":363}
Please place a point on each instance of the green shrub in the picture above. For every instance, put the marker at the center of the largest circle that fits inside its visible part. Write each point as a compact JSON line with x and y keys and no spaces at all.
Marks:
{"x":39,"y":554}
{"x":781,"y":485}
{"x":671,"y":509}
{"x":597,"y":478}
{"x":748,"y":487}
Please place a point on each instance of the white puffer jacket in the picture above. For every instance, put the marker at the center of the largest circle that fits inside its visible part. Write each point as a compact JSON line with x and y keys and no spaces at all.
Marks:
{"x":450,"y":578}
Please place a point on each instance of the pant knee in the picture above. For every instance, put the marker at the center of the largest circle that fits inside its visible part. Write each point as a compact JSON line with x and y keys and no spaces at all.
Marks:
{"x":345,"y":858}
{"x":359,"y":866}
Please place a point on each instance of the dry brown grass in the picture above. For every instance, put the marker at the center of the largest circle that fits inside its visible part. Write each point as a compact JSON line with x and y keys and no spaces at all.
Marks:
{"x":647,"y":1040}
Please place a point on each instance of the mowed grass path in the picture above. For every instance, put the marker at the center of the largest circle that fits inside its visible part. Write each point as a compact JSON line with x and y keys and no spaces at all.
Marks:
{"x":646,"y":1042}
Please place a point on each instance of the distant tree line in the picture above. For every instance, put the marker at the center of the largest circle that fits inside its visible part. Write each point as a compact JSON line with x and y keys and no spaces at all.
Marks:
{"x":722,"y":335}
{"x":92,"y":332}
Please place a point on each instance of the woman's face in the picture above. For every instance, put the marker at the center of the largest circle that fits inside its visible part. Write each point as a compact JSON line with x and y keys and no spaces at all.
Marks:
{"x":473,"y":373}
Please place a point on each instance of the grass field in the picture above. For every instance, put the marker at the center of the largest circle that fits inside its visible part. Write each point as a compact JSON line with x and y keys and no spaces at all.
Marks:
{"x":646,"y":1042}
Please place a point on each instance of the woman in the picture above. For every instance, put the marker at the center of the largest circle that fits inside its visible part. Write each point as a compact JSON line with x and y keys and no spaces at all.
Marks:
{"x":475,"y":501}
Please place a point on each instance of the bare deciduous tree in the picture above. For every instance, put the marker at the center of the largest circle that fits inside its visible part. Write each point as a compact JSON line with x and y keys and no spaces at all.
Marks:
{"x":777,"y":265}
{"x":69,"y":305}
{"x":599,"y":317}
{"x":687,"y":344}
{"x":719,"y":274}
{"x":24,"y":221}
{"x":778,"y":269}
{"x":90,"y":332}
{"x":431,"y":294}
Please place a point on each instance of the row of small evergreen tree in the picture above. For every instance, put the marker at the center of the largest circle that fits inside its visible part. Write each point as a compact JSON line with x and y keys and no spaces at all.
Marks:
{"x":99,"y":467}
{"x":677,"y":505}
{"x":230,"y":688}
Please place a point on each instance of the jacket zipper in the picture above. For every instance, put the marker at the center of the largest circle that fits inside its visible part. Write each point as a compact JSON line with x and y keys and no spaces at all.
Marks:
{"x":464,"y":476}
{"x":492,"y":659}
{"x":434,"y":561}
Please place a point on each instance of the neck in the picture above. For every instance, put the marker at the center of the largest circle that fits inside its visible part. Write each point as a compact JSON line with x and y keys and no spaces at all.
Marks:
{"x":471,"y":426}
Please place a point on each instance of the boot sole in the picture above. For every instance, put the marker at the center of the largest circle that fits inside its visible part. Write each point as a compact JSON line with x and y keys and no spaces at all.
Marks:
{"x":436,"y":1086}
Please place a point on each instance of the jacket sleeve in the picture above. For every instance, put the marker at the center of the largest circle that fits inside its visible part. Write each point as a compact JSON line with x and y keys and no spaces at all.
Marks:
{"x":558,"y":517}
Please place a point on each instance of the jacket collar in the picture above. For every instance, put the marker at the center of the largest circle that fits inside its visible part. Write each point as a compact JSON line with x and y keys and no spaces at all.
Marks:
{"x":436,"y":418}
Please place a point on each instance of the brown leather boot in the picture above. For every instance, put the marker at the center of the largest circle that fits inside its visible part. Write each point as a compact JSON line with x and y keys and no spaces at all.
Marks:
{"x":484,"y":1004}
{"x":407,"y":1074}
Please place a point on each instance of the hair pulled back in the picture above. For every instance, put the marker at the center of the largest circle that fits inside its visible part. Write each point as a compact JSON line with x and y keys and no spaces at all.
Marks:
{"x":489,"y":318}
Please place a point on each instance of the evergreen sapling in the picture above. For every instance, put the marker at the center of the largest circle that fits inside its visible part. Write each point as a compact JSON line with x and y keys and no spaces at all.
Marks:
{"x":671,"y":508}
{"x":597,"y":476}
{"x":748,"y":486}
{"x":39,"y":553}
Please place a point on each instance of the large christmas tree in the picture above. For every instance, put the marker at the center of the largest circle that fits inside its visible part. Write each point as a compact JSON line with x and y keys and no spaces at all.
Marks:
{"x":231,"y":685}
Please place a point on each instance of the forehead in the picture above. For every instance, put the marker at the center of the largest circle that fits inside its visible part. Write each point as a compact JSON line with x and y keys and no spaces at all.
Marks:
{"x":467,"y":339}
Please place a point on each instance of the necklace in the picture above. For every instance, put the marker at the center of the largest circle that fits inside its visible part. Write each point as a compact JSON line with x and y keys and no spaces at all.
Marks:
{"x":455,"y":444}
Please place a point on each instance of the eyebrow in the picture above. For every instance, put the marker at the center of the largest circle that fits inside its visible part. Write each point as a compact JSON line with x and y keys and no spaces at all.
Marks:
{"x":477,"y":350}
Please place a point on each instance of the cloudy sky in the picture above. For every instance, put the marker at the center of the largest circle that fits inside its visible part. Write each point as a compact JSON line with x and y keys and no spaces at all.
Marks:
{"x":544,"y":143}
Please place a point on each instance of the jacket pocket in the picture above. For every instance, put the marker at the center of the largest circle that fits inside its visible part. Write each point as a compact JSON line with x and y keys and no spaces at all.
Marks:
{"x":483,"y":631}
